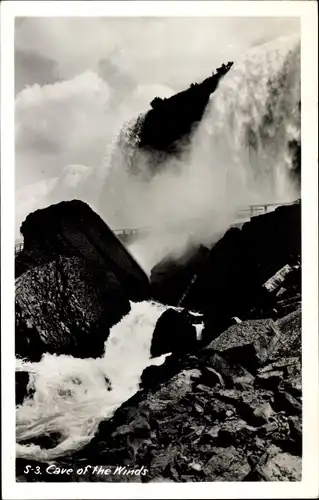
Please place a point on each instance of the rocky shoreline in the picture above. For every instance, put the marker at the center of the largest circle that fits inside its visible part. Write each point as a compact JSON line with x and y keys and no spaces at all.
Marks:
{"x":225,"y":406}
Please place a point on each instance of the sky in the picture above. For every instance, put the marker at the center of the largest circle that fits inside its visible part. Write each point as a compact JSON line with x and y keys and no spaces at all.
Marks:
{"x":77,"y":80}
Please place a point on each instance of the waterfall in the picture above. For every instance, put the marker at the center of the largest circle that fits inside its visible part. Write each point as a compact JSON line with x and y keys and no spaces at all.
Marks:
{"x":244,"y":151}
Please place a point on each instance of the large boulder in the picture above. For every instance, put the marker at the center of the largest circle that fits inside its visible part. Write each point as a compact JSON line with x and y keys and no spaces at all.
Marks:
{"x":73,"y":229}
{"x":173,"y":333}
{"x":74,"y":281}
{"x":67,"y":306}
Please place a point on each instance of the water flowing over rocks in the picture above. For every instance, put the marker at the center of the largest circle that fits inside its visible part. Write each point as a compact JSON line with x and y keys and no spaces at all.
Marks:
{"x":217,"y":395}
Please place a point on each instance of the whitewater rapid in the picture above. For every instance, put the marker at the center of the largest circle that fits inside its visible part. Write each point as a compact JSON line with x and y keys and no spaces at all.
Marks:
{"x":72,"y":396}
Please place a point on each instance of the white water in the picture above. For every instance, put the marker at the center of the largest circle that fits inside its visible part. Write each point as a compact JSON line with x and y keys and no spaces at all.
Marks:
{"x":71,"y":395}
{"x":192,"y":199}
{"x":238,"y":156}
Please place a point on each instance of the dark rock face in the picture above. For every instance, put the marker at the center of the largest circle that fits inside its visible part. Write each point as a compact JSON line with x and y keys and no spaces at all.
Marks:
{"x":72,"y":229}
{"x":228,"y":280}
{"x":171,"y":120}
{"x":67,"y":306}
{"x":21,"y":386}
{"x":173,"y":333}
{"x":74,"y":282}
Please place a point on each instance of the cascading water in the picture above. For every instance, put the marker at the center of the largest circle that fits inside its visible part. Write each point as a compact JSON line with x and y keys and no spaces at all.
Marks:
{"x":244,"y":151}
{"x":73,"y":395}
{"x":241,"y":153}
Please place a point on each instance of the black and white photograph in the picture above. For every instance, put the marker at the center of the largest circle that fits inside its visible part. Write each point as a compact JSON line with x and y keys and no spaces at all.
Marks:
{"x":158,"y":259}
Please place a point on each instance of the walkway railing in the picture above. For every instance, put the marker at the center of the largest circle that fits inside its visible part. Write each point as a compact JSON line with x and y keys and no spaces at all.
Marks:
{"x":242,"y":215}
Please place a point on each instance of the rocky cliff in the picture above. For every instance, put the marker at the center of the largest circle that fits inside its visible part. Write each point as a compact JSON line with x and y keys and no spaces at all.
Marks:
{"x":170,"y":121}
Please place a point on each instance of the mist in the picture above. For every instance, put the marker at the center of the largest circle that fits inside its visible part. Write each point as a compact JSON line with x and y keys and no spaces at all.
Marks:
{"x":193,"y":198}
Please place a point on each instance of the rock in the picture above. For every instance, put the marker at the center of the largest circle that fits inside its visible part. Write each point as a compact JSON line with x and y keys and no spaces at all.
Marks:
{"x":245,"y":343}
{"x":296,"y":430}
{"x":282,"y":467}
{"x":21,"y":386}
{"x":72,"y":229}
{"x":270,"y":379}
{"x":263,"y":412}
{"x":231,"y":275}
{"x":244,"y":382}
{"x":289,"y":344}
{"x":232,"y":374}
{"x":211,"y":377}
{"x":235,"y":432}
{"x":67,"y":306}
{"x":74,"y":282}
{"x":285,"y":401}
{"x":253,"y":406}
{"x":170,"y":279}
{"x":160,"y":462}
{"x":173,"y":119}
{"x":173,"y":334}
{"x":226,"y":464}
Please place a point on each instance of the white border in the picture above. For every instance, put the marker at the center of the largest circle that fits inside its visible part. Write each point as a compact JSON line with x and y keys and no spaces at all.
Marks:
{"x":308,"y":487}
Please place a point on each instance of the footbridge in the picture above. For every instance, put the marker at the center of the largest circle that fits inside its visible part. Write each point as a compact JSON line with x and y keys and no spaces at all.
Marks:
{"x":242,"y":215}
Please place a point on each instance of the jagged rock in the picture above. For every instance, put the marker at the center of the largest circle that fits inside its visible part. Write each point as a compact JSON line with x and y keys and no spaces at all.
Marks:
{"x":172,"y":120}
{"x":173,"y":333}
{"x":282,"y":467}
{"x":289,"y":343}
{"x":285,"y":401}
{"x":211,"y":377}
{"x":254,"y":406}
{"x":67,"y":306}
{"x":226,"y":464}
{"x":245,"y":343}
{"x":233,"y":374}
{"x":270,"y":379}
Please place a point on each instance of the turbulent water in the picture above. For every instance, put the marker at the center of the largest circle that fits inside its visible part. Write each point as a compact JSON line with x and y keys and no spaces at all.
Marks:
{"x":242,"y":152}
{"x":73,"y":395}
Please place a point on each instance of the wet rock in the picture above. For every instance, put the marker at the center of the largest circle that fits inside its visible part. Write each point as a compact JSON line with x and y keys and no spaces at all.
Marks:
{"x":74,"y":282}
{"x":73,"y":229}
{"x":21,"y":386}
{"x":171,"y":121}
{"x":229,"y":280}
{"x":67,"y":306}
{"x":173,"y":334}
